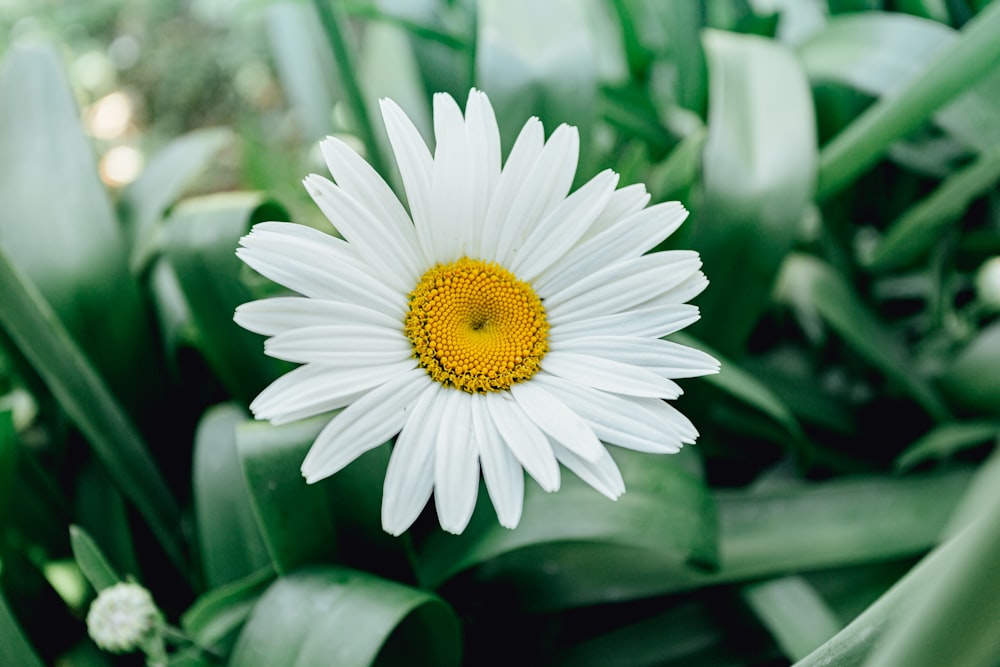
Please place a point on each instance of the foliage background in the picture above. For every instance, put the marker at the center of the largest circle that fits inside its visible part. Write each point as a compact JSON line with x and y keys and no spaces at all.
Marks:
{"x":841,"y":162}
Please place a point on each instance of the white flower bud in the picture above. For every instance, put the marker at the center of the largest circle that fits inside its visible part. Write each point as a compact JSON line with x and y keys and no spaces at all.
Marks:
{"x":122,"y":617}
{"x":988,"y":283}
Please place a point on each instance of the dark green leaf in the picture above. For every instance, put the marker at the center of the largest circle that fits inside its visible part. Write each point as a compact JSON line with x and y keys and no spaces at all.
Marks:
{"x":92,"y":562}
{"x":15,"y":649}
{"x":945,"y":440}
{"x":8,"y":461}
{"x":973,"y":378}
{"x":217,"y":615}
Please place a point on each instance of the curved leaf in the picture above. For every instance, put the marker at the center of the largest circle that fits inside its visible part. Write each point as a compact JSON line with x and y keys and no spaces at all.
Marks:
{"x":335,"y":616}
{"x":947,"y":439}
{"x":216,"y":616}
{"x":759,"y":172}
{"x":973,"y":378}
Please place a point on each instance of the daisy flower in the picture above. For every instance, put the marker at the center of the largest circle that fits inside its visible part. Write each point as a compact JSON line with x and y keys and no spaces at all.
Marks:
{"x":498,"y":324}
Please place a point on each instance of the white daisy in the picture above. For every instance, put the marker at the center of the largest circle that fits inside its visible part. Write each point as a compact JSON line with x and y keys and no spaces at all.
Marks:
{"x":502,"y":324}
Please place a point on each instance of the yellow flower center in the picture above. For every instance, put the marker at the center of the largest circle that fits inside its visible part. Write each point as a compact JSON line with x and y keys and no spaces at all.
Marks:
{"x":476,"y":327}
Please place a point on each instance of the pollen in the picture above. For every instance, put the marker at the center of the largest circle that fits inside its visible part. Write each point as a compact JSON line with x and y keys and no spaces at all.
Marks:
{"x":476,"y":327}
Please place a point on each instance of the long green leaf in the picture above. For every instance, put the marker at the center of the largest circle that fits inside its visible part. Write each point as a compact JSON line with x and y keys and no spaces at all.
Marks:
{"x":952,"y":71}
{"x":334,"y":616}
{"x":215,"y":617}
{"x":228,"y":536}
{"x":947,"y":439}
{"x":794,"y":613}
{"x":82,"y":394}
{"x":759,"y":172}
{"x":15,"y":649}
{"x":91,"y":560}
{"x":972,"y":379}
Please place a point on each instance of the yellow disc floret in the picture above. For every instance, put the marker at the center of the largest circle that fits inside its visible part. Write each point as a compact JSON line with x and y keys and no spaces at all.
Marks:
{"x":476,"y":327}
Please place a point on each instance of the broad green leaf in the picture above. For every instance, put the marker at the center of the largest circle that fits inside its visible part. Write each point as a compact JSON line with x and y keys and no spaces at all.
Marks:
{"x":216,"y":616}
{"x":535,"y":59}
{"x":228,"y":537}
{"x":794,"y":613}
{"x":335,"y":616}
{"x":576,"y":547}
{"x":947,"y":439}
{"x":817,"y":289}
{"x":304,"y":64}
{"x":200,"y":238}
{"x":294,"y":518}
{"x":944,"y":611}
{"x":145,"y":201}
{"x":921,"y":226}
{"x":759,"y":173}
{"x":953,"y":70}
{"x":15,"y":649}
{"x":84,"y":397}
{"x":57,"y":224}
{"x":972,"y":380}
{"x":92,"y":562}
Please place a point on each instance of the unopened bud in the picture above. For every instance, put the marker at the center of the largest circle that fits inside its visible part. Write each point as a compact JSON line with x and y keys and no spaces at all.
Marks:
{"x":122,"y":617}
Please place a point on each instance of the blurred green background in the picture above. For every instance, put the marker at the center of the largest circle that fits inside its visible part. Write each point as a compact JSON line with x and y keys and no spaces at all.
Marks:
{"x":841,"y":161}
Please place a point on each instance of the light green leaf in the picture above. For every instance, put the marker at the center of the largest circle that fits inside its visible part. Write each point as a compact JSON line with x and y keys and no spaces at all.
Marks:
{"x":756,"y":186}
{"x":952,"y":71}
{"x":92,"y":562}
{"x":794,"y":613}
{"x":973,"y":378}
{"x":85,"y":398}
{"x":201,"y":236}
{"x":294,"y":518}
{"x":216,"y":616}
{"x":145,"y":201}
{"x":334,"y":616}
{"x":15,"y":649}
{"x":228,"y":537}
{"x":57,"y":225}
{"x":535,"y":59}
{"x":945,"y":440}
{"x":817,"y":289}
{"x":576,"y":547}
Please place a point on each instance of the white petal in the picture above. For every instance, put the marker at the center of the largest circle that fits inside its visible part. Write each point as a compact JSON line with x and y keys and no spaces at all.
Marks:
{"x":341,"y":345}
{"x":390,"y":252}
{"x":502,"y":473}
{"x":314,"y":389}
{"x":602,"y":474}
{"x":663,"y":357}
{"x":316,"y":265}
{"x":545,"y":187}
{"x":409,"y":479}
{"x":415,"y":166}
{"x":456,"y":464}
{"x":527,"y":442}
{"x":686,"y":290}
{"x":623,"y":203}
{"x":563,"y":227}
{"x":648,"y":322}
{"x":516,"y":171}
{"x":627,"y":239}
{"x":626,"y":421}
{"x":364,"y":424}
{"x":608,"y":375}
{"x":452,"y":183}
{"x":484,"y":145}
{"x":621,"y":286}
{"x":557,"y":420}
{"x":284,"y":313}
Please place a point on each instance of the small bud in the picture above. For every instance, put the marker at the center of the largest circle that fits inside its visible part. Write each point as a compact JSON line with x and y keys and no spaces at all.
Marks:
{"x":988,"y":283}
{"x":122,"y":618}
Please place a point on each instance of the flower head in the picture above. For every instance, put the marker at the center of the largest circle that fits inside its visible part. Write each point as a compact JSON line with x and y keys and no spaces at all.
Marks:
{"x":502,"y":324}
{"x":122,"y":618}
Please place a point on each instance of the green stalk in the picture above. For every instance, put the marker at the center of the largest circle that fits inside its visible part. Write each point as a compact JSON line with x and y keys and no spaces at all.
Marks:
{"x":331,"y":18}
{"x":954,"y":70}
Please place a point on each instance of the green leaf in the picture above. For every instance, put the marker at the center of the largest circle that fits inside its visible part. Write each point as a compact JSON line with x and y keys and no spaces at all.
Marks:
{"x":535,"y":59}
{"x":294,"y":518}
{"x":323,"y":616}
{"x":794,"y":613}
{"x":756,"y":187}
{"x":92,"y":562}
{"x":922,"y":225}
{"x":973,"y":378}
{"x":216,"y":616}
{"x":815,"y":288}
{"x":8,"y":463}
{"x":576,"y":547}
{"x":952,"y":71}
{"x":945,"y":440}
{"x":57,"y":225}
{"x":15,"y":649}
{"x":81,"y":393}
{"x":201,"y":236}
{"x":145,"y":201}
{"x":228,"y":537}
